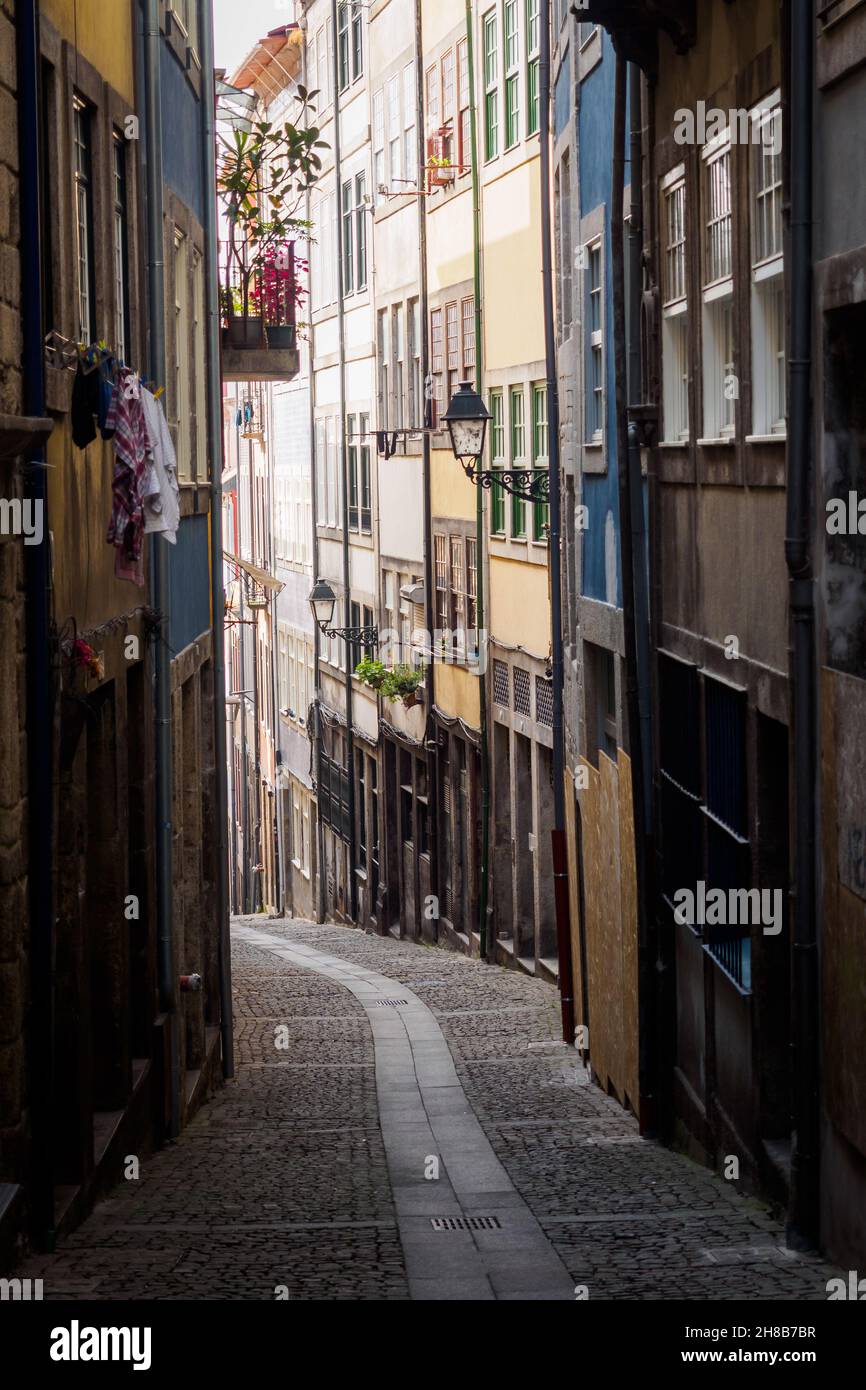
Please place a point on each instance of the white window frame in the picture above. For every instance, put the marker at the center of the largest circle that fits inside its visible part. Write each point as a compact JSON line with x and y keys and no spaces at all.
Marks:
{"x":675,"y":317}
{"x":410,"y":139}
{"x":379,"y":179}
{"x":595,"y":356}
{"x":719,"y":413}
{"x":767,"y":292}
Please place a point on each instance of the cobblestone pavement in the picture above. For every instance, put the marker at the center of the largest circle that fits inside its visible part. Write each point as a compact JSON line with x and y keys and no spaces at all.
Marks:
{"x":281,"y":1180}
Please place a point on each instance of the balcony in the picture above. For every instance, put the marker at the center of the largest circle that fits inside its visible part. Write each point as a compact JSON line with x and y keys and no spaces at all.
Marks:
{"x":634,"y":26}
{"x":259,"y":299}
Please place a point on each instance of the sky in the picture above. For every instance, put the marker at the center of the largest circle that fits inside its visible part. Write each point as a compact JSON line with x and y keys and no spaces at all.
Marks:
{"x":239,"y":23}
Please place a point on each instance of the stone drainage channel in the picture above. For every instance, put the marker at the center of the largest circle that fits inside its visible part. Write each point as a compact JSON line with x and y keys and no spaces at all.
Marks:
{"x":467,"y":1234}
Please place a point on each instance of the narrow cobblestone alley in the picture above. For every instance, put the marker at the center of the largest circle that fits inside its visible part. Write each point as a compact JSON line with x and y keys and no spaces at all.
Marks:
{"x":297,"y":1179}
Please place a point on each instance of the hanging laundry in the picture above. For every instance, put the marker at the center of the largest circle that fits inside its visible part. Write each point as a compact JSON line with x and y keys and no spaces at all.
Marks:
{"x":134,"y":478}
{"x":162,"y":508}
{"x":92,"y":393}
{"x":381,"y":442}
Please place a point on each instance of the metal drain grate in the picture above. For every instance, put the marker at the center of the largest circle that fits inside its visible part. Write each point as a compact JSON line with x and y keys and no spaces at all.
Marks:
{"x":465,"y":1223}
{"x":390,"y":1003}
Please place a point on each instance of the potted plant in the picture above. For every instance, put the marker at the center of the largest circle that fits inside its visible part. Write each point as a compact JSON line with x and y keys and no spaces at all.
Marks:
{"x":402,"y":683}
{"x":371,"y":672}
{"x":263,"y":178}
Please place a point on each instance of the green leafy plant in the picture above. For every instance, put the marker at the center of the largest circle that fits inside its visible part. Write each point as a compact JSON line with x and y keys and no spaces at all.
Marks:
{"x":263,"y":177}
{"x":401,"y":682}
{"x":371,"y":672}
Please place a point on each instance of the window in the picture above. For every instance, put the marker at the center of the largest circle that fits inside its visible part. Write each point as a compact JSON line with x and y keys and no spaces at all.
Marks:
{"x":675,"y":359}
{"x":410,"y":139}
{"x":361,"y":231}
{"x":458,"y":593}
{"x":323,"y":71}
{"x":398,"y":347}
{"x":491,"y":88}
{"x":414,"y":361}
{"x":718,"y":292}
{"x":471,"y":597}
{"x":512,"y":75}
{"x":595,"y":349}
{"x":394,"y":133}
{"x":431,"y":84}
{"x":82,"y":117}
{"x":585,"y":30}
{"x":348,"y":238}
{"x":452,"y":344}
{"x":518,"y":459}
{"x":182,"y":371}
{"x":448,"y":87}
{"x":468,"y":315}
{"x":199,"y":339}
{"x":600,"y":695}
{"x":562,"y":237}
{"x":497,"y":460}
{"x":533,"y":41}
{"x":768,"y":297}
{"x":437,"y":361}
{"x":366,"y":517}
{"x":464,"y":119}
{"x":121,"y":249}
{"x":357,"y":42}
{"x":352,"y":439}
{"x":440,"y":548}
{"x":283,"y":667}
{"x":540,"y":456}
{"x":382,"y":354}
{"x":379,"y":180}
{"x":343,"y":45}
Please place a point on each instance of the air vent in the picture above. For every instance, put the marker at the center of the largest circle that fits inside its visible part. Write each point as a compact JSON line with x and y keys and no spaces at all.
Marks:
{"x":465,"y":1223}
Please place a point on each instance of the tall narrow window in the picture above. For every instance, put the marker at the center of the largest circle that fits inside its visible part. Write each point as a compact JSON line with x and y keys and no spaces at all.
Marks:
{"x":675,"y":360}
{"x":471,"y":598}
{"x":357,"y":42}
{"x":352,"y":453}
{"x":398,"y":347}
{"x":440,"y":549}
{"x":467,"y":311}
{"x":322,"y":72}
{"x":379,"y":179}
{"x":512,"y":75}
{"x":595,"y":349}
{"x":464,"y":120}
{"x":121,"y":249}
{"x":394,"y":133}
{"x":768,"y":281}
{"x":343,"y":45}
{"x":431,"y":99}
{"x":437,"y":361}
{"x":182,"y":327}
{"x":413,"y":349}
{"x":82,"y":118}
{"x":448,"y":87}
{"x":410,"y":139}
{"x":452,"y":336}
{"x":533,"y":45}
{"x":365,"y":490}
{"x":563,"y":213}
{"x":540,"y":456}
{"x":491,"y":86}
{"x":361,"y":231}
{"x":199,"y":339}
{"x":383,"y":364}
{"x":718,"y":293}
{"x":518,"y":459}
{"x":497,"y":460}
{"x":458,"y":594}
{"x":348,"y":238}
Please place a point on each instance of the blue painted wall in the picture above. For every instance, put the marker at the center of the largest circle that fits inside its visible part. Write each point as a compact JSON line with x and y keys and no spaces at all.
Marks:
{"x":181,"y":134}
{"x":189,"y":568}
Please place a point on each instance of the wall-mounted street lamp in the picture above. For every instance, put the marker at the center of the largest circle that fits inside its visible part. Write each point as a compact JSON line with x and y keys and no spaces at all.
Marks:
{"x":323,"y":600}
{"x":467,"y":418}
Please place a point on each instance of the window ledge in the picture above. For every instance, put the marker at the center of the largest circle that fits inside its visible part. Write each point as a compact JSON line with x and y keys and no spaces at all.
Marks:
{"x":767,"y":438}
{"x":718,"y":443}
{"x":677,"y":443}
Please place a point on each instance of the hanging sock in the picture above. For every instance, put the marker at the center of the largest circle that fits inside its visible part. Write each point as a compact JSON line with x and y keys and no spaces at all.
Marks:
{"x":381,"y":443}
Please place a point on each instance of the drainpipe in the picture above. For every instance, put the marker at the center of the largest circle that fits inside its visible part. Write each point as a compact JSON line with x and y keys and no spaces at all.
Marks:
{"x":484,"y":748}
{"x":803,"y":1222}
{"x":159,"y":570}
{"x":315,"y":727}
{"x":424,"y":316}
{"x":560,"y":857}
{"x":629,"y":507}
{"x":257,"y":899}
{"x":40,"y":694}
{"x":347,"y":580}
{"x":218,"y":658}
